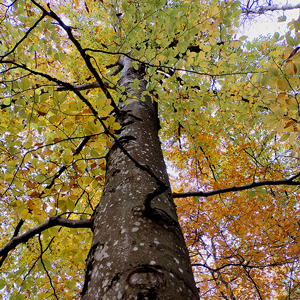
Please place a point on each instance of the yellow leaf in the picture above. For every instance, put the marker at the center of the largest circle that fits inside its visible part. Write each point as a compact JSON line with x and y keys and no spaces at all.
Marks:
{"x":48,"y":152}
{"x":296,"y":58}
{"x":68,"y":157}
{"x":89,"y":129}
{"x":18,"y":183}
{"x":70,"y":205}
{"x":69,"y":125}
{"x":19,"y":281}
{"x":108,"y":109}
{"x":64,"y":241}
{"x":25,"y":214}
{"x":101,"y":142}
{"x":291,"y":101}
{"x":116,"y":126}
{"x":280,"y":126}
{"x":215,"y":10}
{"x":282,"y":84}
{"x":54,"y":230}
{"x":206,"y":48}
{"x":25,"y":83}
{"x":109,"y":143}
{"x":40,"y":215}
{"x":269,"y":120}
{"x":161,"y":57}
{"x":291,"y":69}
{"x":292,"y":138}
{"x":8,"y":177}
{"x":288,"y":124}
{"x":201,"y":56}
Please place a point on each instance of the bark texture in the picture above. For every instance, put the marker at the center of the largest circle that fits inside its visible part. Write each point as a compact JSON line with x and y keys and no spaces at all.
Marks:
{"x":138,"y":250}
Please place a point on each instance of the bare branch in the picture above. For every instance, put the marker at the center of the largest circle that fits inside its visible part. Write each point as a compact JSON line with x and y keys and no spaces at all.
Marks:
{"x":289,"y":181}
{"x":81,"y":87}
{"x":116,"y":71}
{"x":95,"y":84}
{"x":85,"y":86}
{"x":42,"y":262}
{"x":18,"y":227}
{"x":263,"y":9}
{"x":53,"y":221}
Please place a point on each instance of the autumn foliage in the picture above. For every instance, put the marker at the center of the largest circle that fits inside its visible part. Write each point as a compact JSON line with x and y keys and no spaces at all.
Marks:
{"x":229,"y":117}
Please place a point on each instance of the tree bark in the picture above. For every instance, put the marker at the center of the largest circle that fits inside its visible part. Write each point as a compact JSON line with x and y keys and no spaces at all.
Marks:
{"x":138,"y":250}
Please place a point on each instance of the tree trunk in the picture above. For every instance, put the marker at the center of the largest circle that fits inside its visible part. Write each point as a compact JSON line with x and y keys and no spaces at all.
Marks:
{"x":138,"y":250}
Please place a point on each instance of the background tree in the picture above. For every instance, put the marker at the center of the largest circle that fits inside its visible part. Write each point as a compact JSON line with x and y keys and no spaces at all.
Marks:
{"x":80,"y":87}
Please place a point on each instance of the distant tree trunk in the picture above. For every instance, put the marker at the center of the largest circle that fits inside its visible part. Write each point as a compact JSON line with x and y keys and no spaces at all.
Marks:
{"x":138,"y":250}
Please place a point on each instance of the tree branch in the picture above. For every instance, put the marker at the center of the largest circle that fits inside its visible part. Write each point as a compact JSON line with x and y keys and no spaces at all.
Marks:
{"x":86,"y":57}
{"x":95,"y":84}
{"x":289,"y":181}
{"x":24,"y":37}
{"x":53,"y":221}
{"x":84,"y":86}
{"x":18,"y":227}
{"x":64,"y":167}
{"x":263,"y":9}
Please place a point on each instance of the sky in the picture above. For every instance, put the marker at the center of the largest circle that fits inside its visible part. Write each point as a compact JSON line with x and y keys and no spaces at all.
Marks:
{"x":268,"y":24}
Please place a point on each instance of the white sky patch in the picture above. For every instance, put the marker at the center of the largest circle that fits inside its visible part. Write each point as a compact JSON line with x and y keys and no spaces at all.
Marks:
{"x":268,"y":23}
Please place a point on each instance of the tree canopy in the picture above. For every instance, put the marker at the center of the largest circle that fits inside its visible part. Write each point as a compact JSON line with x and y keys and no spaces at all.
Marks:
{"x":229,"y":125}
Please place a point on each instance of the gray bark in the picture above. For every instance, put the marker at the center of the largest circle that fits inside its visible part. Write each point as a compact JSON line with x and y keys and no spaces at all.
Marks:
{"x":138,"y":250}
{"x":263,"y":9}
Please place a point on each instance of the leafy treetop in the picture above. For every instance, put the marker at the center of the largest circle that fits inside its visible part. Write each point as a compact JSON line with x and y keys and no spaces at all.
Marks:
{"x":229,"y":116}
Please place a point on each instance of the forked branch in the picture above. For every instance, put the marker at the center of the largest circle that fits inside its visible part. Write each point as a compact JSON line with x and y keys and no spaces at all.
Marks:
{"x":53,"y":221}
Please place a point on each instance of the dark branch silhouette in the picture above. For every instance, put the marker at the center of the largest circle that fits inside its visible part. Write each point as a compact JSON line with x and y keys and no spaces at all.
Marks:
{"x":53,"y":221}
{"x":289,"y":181}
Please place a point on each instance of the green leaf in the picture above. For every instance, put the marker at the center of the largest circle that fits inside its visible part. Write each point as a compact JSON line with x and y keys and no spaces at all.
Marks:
{"x":135,"y":83}
{"x":285,"y":137}
{"x":274,"y":72}
{"x":251,"y":194}
{"x":270,"y":119}
{"x":47,"y":264}
{"x":235,"y":4}
{"x":7,"y":25}
{"x":25,"y":83}
{"x":243,"y":37}
{"x":290,"y":41}
{"x":261,"y":191}
{"x":195,"y":199}
{"x":2,"y":284}
{"x":258,"y":77}
{"x":297,"y":24}
{"x":282,"y":19}
{"x":40,"y":177}
{"x":89,"y":129}
{"x":265,"y":80}
{"x":276,"y":35}
{"x":124,"y":5}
